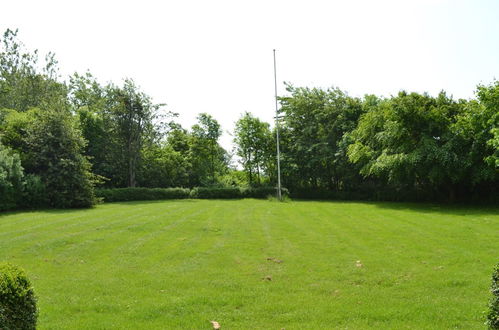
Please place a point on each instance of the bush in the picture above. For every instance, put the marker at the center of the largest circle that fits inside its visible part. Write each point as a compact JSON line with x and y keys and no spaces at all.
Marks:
{"x":216,"y":193}
{"x":17,"y":299}
{"x":56,"y":148}
{"x":232,"y":193}
{"x":493,"y":313}
{"x":11,"y":175}
{"x":262,"y":192}
{"x":140,"y":194}
{"x":34,"y":193}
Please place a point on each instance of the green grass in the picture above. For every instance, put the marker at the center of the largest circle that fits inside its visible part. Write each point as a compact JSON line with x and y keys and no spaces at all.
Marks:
{"x":180,"y":264}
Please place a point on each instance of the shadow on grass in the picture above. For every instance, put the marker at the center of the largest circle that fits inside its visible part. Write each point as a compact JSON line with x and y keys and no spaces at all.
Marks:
{"x":442,"y":208}
{"x":90,"y":209}
{"x":146,"y":202}
{"x":454,"y":209}
{"x":46,"y":211}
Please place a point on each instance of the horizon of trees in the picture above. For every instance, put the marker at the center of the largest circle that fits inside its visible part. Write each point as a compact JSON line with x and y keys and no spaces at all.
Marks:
{"x":61,"y":139}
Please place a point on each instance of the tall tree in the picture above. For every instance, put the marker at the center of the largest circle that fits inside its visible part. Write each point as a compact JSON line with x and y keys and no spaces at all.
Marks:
{"x":24,"y":83}
{"x":205,"y":142}
{"x":413,"y":141}
{"x":131,"y":115}
{"x":314,"y":122}
{"x":487,"y":121}
{"x":89,"y":101}
{"x":252,"y":138}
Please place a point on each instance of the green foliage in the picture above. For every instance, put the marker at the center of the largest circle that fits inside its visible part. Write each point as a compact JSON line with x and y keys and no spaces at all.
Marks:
{"x":216,"y":193}
{"x":34,"y":193}
{"x":422,"y":142}
{"x":17,"y":299}
{"x":233,"y":178}
{"x":18,"y":190}
{"x":15,"y":127}
{"x":11,"y":178}
{"x":262,"y":192}
{"x":368,"y":191}
{"x":23,"y":84}
{"x":137,"y":194}
{"x":313,"y":125}
{"x":131,"y":113}
{"x":208,"y":158}
{"x":119,"y":123}
{"x":93,"y":105}
{"x":493,"y":312}
{"x":234,"y":192}
{"x":74,"y":135}
{"x":56,"y":146}
{"x":401,"y":140}
{"x":254,"y":146}
{"x":487,"y":122}
{"x":162,"y":166}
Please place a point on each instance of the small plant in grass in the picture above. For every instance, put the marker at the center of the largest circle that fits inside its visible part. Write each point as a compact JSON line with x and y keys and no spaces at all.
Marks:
{"x":17,"y":299}
{"x":493,"y":312}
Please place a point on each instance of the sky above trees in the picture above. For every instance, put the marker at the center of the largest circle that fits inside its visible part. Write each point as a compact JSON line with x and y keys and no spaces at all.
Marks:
{"x":216,"y":56}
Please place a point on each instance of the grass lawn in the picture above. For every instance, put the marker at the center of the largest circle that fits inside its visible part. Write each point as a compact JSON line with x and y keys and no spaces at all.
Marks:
{"x":254,"y":264}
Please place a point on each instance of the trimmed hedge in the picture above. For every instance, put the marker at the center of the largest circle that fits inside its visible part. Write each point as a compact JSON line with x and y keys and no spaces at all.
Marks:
{"x":232,"y":193}
{"x":17,"y":299}
{"x":493,"y":313}
{"x":139,"y":194}
{"x":216,"y":193}
{"x":262,"y":192}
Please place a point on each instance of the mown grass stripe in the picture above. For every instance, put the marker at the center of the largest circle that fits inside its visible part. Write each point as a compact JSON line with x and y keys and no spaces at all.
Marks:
{"x":179,"y":264}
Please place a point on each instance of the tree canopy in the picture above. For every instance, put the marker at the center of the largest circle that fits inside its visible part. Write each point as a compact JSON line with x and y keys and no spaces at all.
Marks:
{"x":61,"y":138}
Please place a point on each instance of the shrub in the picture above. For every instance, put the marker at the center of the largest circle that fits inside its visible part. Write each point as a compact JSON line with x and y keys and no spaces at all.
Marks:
{"x":216,"y":193}
{"x":138,"y":194}
{"x":56,"y":148}
{"x":34,"y":193}
{"x":11,"y":175}
{"x":493,"y":313}
{"x":17,"y":299}
{"x":262,"y":192}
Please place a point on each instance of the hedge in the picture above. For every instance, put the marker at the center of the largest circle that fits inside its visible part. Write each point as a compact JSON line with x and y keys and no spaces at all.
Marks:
{"x":138,"y":194}
{"x":233,"y":193}
{"x":262,"y":192}
{"x":216,"y":193}
{"x":17,"y":299}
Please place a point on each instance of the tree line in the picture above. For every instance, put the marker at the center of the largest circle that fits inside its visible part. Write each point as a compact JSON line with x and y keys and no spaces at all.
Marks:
{"x":409,"y":146}
{"x":60,"y":139}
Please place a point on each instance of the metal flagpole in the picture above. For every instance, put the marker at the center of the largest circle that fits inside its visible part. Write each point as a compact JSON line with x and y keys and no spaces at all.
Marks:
{"x":279,"y":196}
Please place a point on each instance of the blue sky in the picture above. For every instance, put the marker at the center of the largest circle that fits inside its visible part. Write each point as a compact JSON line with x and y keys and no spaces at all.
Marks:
{"x":216,"y":56}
